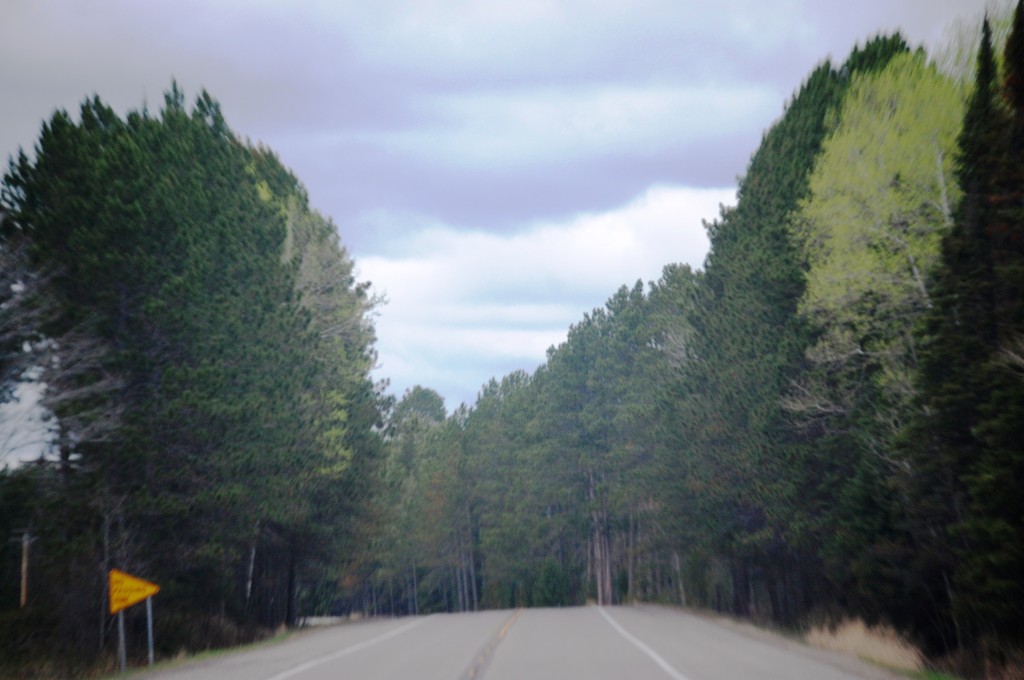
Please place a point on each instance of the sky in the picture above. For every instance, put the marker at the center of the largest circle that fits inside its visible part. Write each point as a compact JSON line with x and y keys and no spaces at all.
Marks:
{"x":495,"y":169}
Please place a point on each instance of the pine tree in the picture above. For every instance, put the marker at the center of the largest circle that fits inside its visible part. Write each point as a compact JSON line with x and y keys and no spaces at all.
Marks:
{"x":882,"y":196}
{"x":960,"y":337}
{"x":230,"y":345}
{"x":755,"y":470}
{"x":991,"y":573}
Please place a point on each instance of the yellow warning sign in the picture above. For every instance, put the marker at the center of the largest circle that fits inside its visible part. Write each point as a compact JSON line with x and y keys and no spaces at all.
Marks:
{"x":126,"y":590}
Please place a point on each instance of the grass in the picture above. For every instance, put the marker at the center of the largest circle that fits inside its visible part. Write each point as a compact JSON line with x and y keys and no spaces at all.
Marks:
{"x":878,"y":644}
{"x":107,"y":667}
{"x":183,"y":657}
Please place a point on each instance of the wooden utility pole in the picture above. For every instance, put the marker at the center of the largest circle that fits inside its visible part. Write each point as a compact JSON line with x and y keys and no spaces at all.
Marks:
{"x":25,"y":540}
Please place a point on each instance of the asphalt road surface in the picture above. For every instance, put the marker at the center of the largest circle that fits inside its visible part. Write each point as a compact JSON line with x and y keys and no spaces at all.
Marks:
{"x":634,"y":643}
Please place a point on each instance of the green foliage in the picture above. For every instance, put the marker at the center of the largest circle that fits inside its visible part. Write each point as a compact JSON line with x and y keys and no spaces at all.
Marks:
{"x":211,"y":358}
{"x":422,"y":404}
{"x":965,"y":443}
{"x":670,"y":449}
{"x":957,"y":56}
{"x":749,"y":479}
{"x":542,"y":491}
{"x":881,"y":198}
{"x":828,"y":417}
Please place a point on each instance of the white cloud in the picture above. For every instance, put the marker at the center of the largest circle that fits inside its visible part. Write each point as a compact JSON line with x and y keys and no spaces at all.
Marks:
{"x":514,"y":127}
{"x":26,"y":427}
{"x":446,"y":37}
{"x":550,"y":38}
{"x":398,"y":105}
{"x":467,"y":306}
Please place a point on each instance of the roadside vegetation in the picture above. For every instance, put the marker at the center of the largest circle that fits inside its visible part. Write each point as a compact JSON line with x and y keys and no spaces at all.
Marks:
{"x":878,"y":644}
{"x":826,"y":417}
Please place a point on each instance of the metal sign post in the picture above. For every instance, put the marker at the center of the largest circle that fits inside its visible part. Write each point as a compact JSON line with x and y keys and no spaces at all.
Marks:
{"x":149,"y":627}
{"x":122,"y":650}
{"x":125,"y":591}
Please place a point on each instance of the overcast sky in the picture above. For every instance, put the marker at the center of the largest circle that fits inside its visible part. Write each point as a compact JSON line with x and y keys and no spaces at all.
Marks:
{"x":496,"y":169}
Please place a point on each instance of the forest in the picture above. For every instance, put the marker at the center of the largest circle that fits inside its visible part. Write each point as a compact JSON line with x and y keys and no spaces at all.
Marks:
{"x":825,"y":420}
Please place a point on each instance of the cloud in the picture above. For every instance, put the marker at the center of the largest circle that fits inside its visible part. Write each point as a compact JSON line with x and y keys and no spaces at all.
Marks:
{"x":478,"y":157}
{"x":491,"y":303}
{"x":26,"y":427}
{"x":522,"y":128}
{"x":553,"y":41}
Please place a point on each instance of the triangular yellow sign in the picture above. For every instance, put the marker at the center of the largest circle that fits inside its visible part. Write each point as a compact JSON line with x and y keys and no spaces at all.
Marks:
{"x":126,"y":590}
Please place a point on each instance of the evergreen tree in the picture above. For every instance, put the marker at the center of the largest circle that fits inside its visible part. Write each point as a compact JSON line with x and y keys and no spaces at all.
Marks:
{"x":961,"y":518}
{"x":755,"y":470}
{"x":991,"y":568}
{"x":881,"y":198}
{"x":210,"y":372}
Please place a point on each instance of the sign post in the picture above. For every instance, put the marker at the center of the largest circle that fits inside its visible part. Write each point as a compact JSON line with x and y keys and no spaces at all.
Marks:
{"x":149,"y":627}
{"x":125,"y":591}
{"x":122,"y":652}
{"x":26,"y":541}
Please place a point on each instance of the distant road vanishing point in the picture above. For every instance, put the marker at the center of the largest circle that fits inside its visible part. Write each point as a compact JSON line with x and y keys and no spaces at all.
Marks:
{"x":601,"y":643}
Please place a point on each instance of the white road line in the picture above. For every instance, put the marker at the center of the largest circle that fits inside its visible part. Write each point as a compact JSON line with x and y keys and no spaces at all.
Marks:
{"x":348,"y":650}
{"x":655,"y":657}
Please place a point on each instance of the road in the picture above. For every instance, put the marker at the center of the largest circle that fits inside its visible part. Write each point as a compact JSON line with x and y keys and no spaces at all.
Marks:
{"x":607,"y":643}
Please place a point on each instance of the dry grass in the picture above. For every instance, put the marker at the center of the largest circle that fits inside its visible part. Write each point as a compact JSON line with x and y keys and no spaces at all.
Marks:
{"x":1000,"y":663}
{"x":879,"y":644}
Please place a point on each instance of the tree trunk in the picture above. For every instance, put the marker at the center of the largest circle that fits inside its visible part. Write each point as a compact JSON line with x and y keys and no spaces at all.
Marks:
{"x":472,"y":563}
{"x":464,"y":568}
{"x":106,"y":582}
{"x":740,"y":589}
{"x":776,"y":590}
{"x":630,"y":559}
{"x":602,"y":569}
{"x":289,"y":617}
{"x":473,"y":584}
{"x":252,"y":568}
{"x":460,"y":571}
{"x":590,"y":558}
{"x":416,"y":591}
{"x":679,"y":578}
{"x":752,"y":607}
{"x":599,"y":558}
{"x":454,"y":603}
{"x":410,"y":608}
{"x":607,"y":552}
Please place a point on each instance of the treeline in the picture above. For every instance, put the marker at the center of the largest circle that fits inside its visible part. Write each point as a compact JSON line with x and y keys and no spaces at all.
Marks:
{"x":205,"y":352}
{"x":825,"y":420}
